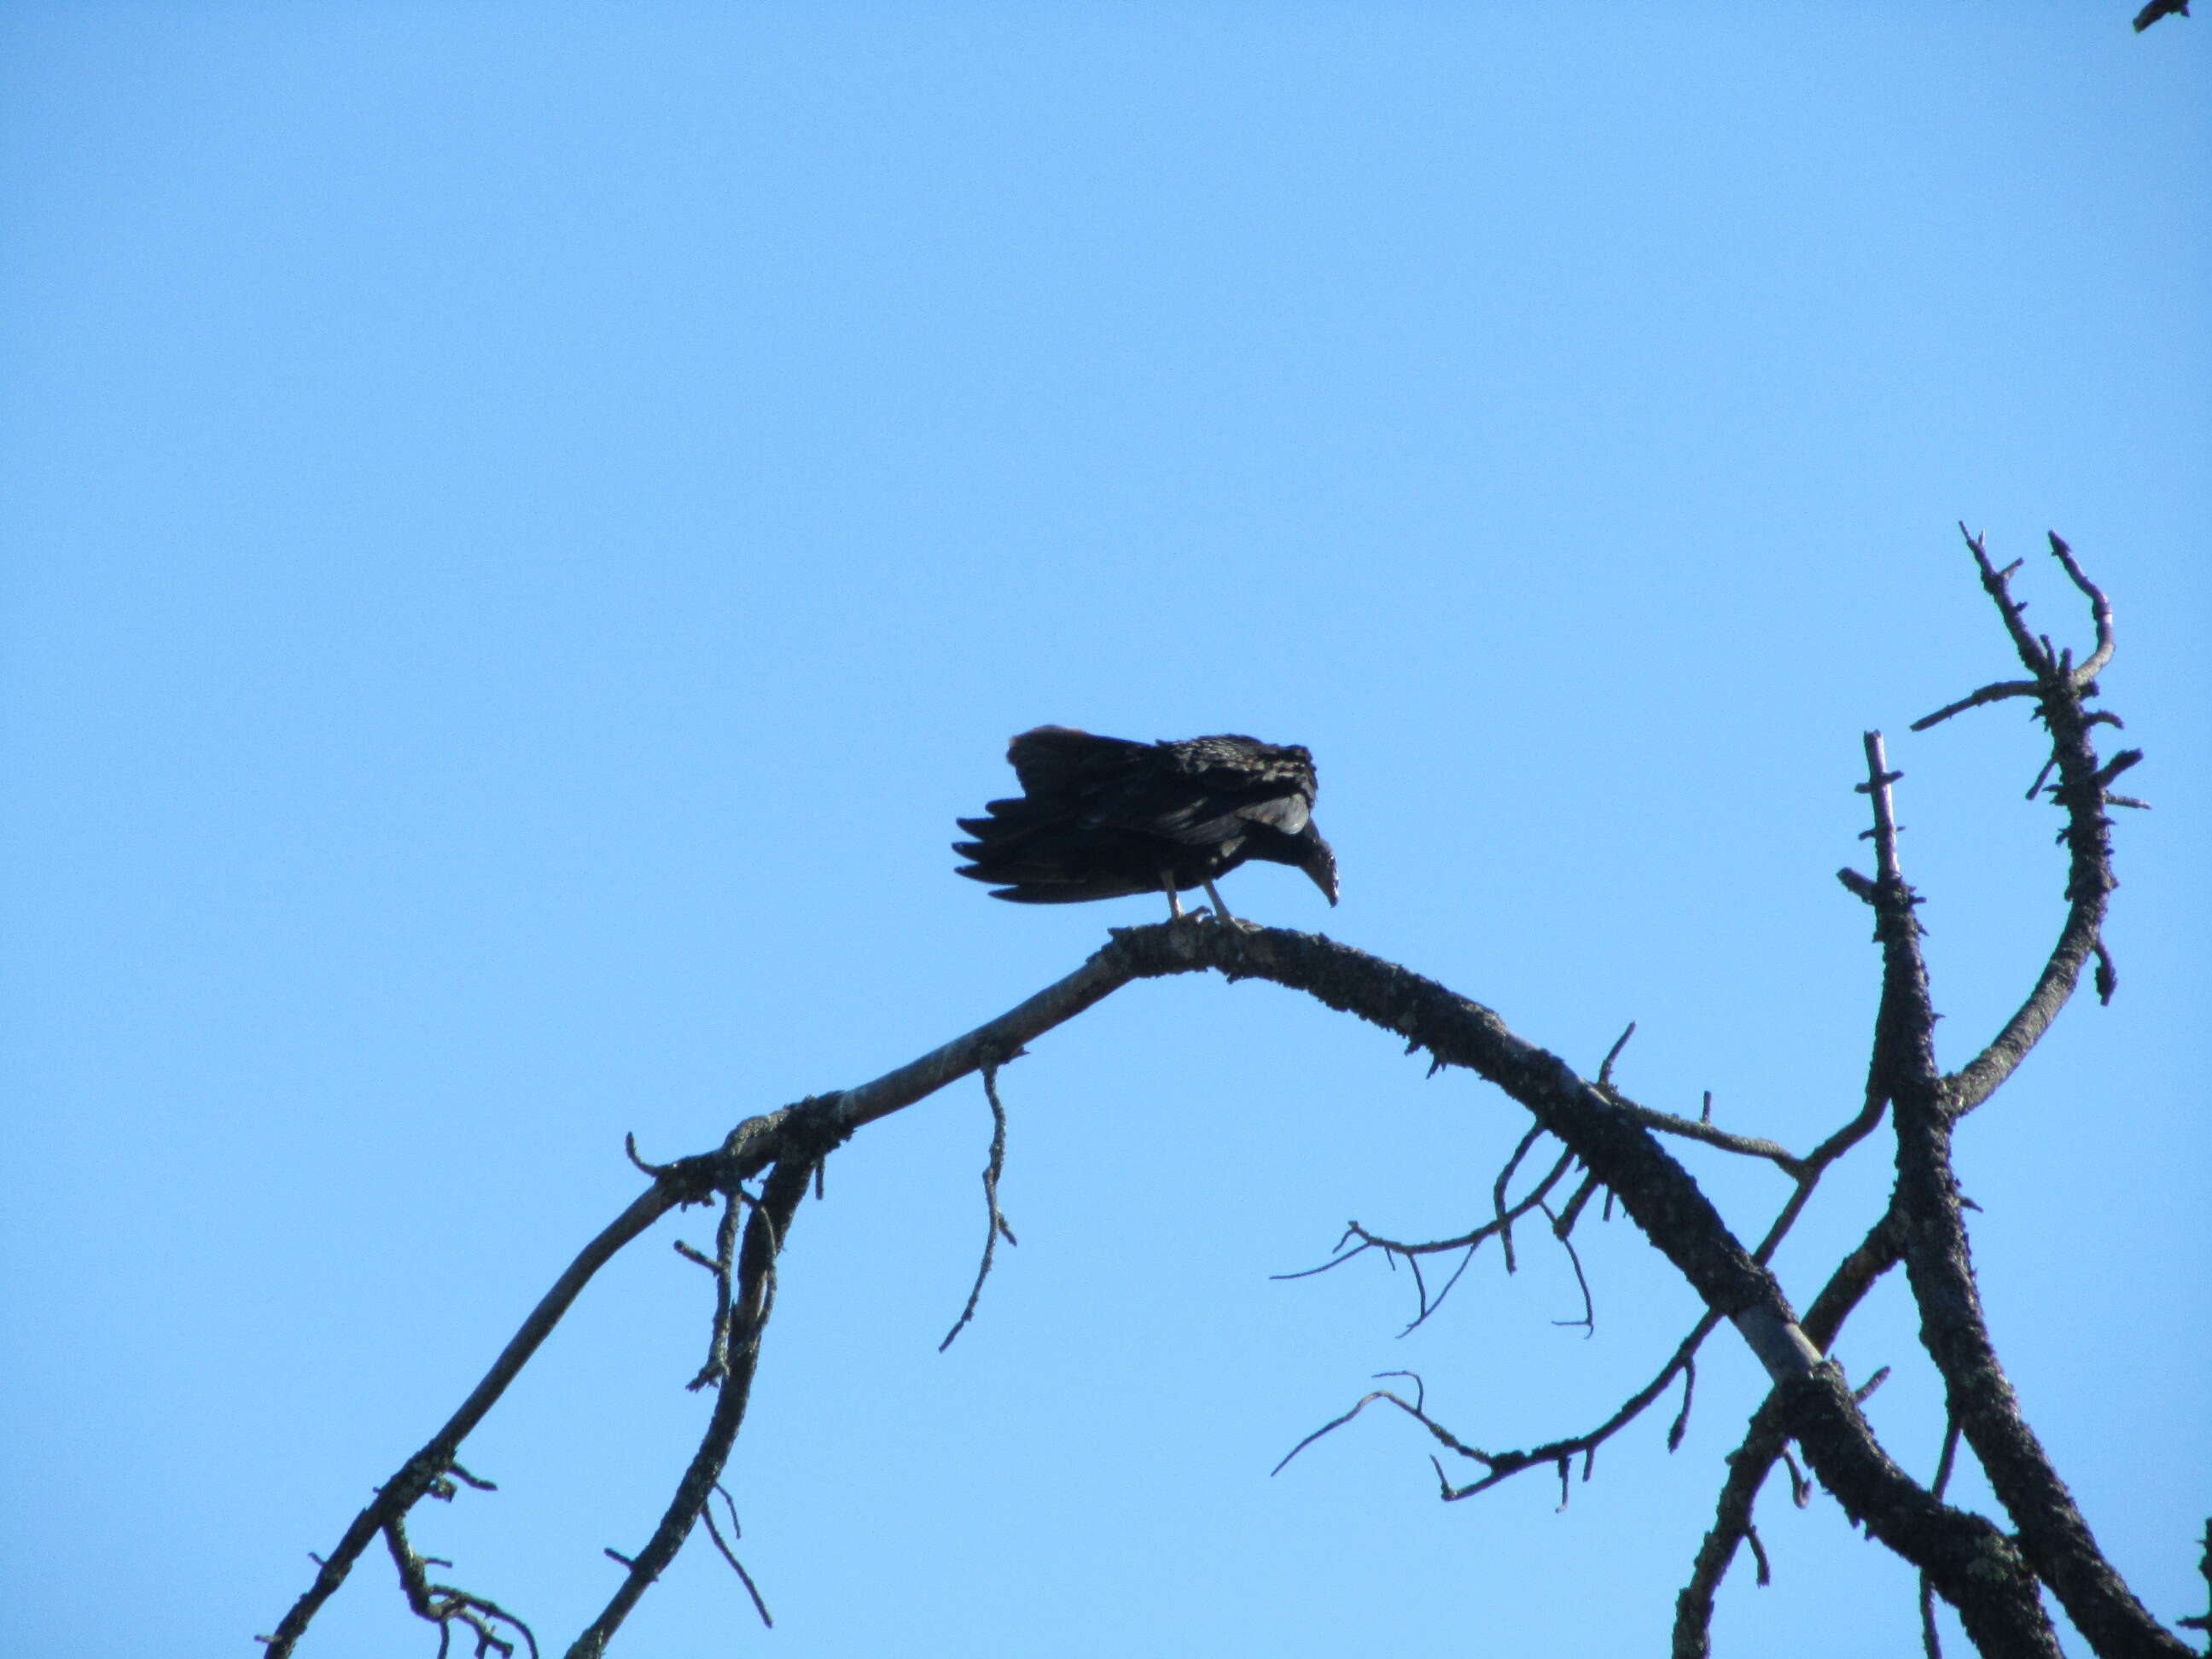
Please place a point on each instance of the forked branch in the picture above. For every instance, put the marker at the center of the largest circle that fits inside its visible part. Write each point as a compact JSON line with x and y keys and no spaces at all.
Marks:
{"x":1954,"y":1329}
{"x":1927,"y":1104}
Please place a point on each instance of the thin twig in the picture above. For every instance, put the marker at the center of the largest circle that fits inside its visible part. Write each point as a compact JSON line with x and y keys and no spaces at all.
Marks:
{"x":996,"y":1222}
{"x":1605,"y":1067}
{"x":1931,"y":1640}
{"x":1680,"y":1425}
{"x":1588,"y":1320}
{"x":1503,"y":1466}
{"x":1702,"y":1129}
{"x":1765,"y":1575}
{"x":1395,"y":1250}
{"x":706,"y":1514}
{"x":725,"y":1243}
{"x":1988,"y":693}
{"x":1497,"y":1194}
{"x":1566,"y":1224}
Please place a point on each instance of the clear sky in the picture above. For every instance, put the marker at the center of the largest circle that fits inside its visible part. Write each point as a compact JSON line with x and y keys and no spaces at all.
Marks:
{"x":526,"y":523}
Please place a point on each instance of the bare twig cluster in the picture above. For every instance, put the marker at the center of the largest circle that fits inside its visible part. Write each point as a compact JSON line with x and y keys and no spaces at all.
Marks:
{"x":1992,"y":1575}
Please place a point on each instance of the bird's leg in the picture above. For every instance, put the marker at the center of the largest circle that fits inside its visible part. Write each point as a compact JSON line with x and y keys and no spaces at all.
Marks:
{"x":1220,"y":910}
{"x":1174,"y":904}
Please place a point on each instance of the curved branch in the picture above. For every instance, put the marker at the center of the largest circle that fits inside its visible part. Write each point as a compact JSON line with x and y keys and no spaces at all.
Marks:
{"x":2100,"y":612}
{"x":2059,"y":689}
{"x":1997,"y":693}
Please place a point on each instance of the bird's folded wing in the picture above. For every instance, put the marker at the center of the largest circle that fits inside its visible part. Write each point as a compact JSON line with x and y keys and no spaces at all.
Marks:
{"x":1058,"y":761}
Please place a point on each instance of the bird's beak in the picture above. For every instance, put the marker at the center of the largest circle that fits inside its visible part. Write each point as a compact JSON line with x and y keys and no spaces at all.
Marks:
{"x":1319,"y":863}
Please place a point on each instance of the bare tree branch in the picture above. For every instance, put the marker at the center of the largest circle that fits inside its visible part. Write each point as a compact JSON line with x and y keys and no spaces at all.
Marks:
{"x":1749,"y":1464}
{"x":766,"y":1230}
{"x":2083,"y":792}
{"x":1698,"y":1129}
{"x":714,"y":1533}
{"x":1396,"y":1249}
{"x":444,"y":1606}
{"x":1973,"y":1565}
{"x":2053,"y":1535}
{"x":996,"y":1224}
{"x":723,"y":1265}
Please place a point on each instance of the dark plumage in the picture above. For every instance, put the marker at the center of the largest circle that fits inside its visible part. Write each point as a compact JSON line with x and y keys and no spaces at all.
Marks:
{"x":1100,"y":817}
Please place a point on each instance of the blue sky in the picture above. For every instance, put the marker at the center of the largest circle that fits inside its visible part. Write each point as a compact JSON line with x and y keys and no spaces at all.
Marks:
{"x":527,"y":523}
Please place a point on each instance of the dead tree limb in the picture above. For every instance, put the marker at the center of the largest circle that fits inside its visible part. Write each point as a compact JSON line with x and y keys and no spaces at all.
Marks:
{"x":1992,"y":1578}
{"x":1971,"y":1564}
{"x":1938,"y":1259}
{"x":767,"y":1229}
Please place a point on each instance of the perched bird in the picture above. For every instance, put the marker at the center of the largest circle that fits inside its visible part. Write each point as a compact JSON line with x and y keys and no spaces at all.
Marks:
{"x":1100,"y":818}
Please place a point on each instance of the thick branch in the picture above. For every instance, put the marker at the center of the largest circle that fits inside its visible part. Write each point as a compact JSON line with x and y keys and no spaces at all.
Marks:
{"x":1750,"y":1463}
{"x":1748,"y":1467}
{"x":2053,"y":1535}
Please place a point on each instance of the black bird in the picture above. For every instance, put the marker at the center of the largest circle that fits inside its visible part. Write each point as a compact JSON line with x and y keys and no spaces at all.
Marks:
{"x":1100,"y":817}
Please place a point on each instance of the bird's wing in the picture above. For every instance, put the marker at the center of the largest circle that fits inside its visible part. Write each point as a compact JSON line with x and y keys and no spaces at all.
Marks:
{"x":1059,"y":763}
{"x":1076,"y":778}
